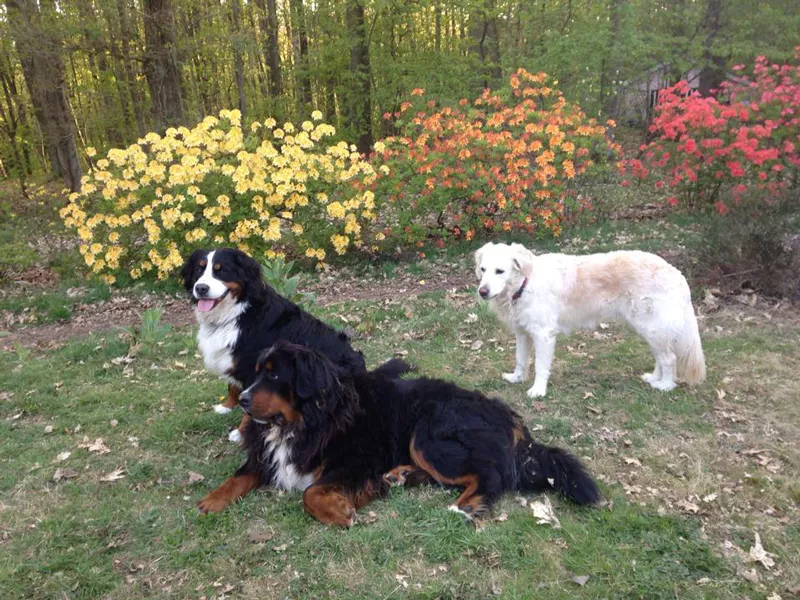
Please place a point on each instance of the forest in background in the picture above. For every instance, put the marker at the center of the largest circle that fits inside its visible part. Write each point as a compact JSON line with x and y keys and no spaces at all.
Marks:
{"x":103,"y":73}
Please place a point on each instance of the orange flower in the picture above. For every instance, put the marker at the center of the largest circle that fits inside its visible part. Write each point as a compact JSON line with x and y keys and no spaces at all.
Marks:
{"x":417,"y":92}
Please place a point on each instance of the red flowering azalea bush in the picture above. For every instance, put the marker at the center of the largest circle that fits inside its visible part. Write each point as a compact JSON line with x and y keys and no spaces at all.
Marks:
{"x":506,"y":161}
{"x":710,"y":150}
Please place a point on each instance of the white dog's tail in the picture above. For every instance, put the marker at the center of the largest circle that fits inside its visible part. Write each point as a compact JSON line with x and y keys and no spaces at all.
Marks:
{"x":691,"y":362}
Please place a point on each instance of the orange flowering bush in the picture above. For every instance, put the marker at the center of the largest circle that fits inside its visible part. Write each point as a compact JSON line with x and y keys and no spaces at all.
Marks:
{"x":506,"y":161}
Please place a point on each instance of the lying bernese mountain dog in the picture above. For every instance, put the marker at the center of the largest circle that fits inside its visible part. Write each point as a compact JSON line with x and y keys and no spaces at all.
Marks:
{"x":240,"y":315}
{"x":343,"y":438}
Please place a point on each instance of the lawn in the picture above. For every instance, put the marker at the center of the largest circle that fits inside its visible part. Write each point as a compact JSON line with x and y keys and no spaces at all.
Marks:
{"x":688,"y":478}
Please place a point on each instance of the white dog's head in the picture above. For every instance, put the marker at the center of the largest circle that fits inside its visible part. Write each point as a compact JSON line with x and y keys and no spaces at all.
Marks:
{"x":499,"y":267}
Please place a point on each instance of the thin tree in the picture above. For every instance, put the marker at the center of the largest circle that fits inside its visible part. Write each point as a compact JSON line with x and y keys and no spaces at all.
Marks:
{"x":358,"y":99}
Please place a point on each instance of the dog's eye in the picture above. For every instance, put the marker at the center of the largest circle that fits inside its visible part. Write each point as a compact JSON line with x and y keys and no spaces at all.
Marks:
{"x":483,"y":269}
{"x":499,"y":271}
{"x":272,"y":376}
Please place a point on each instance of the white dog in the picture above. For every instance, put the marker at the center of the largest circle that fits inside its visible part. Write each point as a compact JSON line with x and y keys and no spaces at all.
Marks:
{"x":539,"y":297}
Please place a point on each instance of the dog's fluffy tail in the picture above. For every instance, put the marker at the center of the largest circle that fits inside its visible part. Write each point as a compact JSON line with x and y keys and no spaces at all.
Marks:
{"x":691,"y":366}
{"x":542,"y":468}
{"x":394,"y":368}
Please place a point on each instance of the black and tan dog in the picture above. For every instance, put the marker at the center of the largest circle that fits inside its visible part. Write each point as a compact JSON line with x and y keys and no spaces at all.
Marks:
{"x":342,"y":438}
{"x":240,"y":315}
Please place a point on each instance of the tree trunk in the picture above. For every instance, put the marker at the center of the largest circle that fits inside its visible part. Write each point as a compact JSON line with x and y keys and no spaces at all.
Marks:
{"x":713,"y":73}
{"x":269,"y":27}
{"x":161,"y":64}
{"x":612,"y":104}
{"x":238,"y":62}
{"x":437,"y":28}
{"x":127,"y":33}
{"x":483,"y":32}
{"x":39,"y":48}
{"x":301,"y":67}
{"x":358,"y":101}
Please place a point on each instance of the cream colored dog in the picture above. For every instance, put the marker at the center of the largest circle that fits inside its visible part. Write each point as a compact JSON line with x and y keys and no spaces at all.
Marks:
{"x":539,"y":297}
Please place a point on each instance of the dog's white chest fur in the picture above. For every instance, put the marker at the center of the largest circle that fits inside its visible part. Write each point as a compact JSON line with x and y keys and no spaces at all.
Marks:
{"x":216,"y":344}
{"x":277,"y":450}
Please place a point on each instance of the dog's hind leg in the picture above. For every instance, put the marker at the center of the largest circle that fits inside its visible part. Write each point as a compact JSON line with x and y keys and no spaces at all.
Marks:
{"x":448,"y":462}
{"x":663,"y":376}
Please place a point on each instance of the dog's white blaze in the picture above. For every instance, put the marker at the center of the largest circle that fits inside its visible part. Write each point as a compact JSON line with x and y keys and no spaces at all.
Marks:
{"x":278,"y":450}
{"x":215,"y":287}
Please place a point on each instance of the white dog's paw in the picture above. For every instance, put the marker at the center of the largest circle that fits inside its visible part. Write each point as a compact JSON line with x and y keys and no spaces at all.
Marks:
{"x":664,"y":386}
{"x":235,"y":436}
{"x":649,"y":377}
{"x":455,"y":509}
{"x":537,"y":392}
{"x":221,"y":409}
{"x":513,"y":377}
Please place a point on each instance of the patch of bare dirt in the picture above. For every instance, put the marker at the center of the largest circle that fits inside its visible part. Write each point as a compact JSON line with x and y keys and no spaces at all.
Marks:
{"x":122,"y":311}
{"x":117,"y":313}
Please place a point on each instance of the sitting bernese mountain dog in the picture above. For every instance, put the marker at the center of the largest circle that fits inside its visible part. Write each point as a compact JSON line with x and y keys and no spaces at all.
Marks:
{"x":343,"y":438}
{"x":240,"y":316}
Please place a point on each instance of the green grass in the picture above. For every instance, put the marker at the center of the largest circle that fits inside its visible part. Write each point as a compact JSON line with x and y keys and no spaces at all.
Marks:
{"x":140,"y":536}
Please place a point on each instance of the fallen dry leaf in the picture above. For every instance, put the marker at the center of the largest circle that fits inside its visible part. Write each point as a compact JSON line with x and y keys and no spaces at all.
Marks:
{"x":587,"y":395}
{"x":62,"y":456}
{"x":758,"y":554}
{"x":476,"y":345}
{"x":544,"y":513}
{"x":98,"y":446}
{"x":633,"y":461}
{"x":580,"y":579}
{"x":721,"y":394}
{"x":709,"y":498}
{"x":259,"y":537}
{"x":749,"y":574}
{"x":195,"y":477}
{"x":115,"y":475}
{"x":688,"y":506}
{"x":48,"y":429}
{"x":64,"y":474}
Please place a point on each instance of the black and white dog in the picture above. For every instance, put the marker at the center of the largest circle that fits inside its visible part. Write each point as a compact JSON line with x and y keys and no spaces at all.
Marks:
{"x":240,"y":315}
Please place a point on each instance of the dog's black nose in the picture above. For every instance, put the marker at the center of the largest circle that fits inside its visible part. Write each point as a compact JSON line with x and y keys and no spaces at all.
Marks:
{"x":201,"y":289}
{"x":484,"y":291}
{"x":245,"y":400}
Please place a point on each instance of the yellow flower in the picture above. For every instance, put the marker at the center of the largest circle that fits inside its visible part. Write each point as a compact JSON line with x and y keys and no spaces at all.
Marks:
{"x":336,"y":210}
{"x":90,"y":152}
{"x":316,"y":115}
{"x":379,"y":146}
{"x":278,"y":133}
{"x":270,"y":123}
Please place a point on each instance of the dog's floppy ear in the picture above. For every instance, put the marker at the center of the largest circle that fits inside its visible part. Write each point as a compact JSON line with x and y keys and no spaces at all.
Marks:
{"x":315,"y":375}
{"x":251,"y":275}
{"x":187,"y":270}
{"x":523,"y":259}
{"x":479,"y":257}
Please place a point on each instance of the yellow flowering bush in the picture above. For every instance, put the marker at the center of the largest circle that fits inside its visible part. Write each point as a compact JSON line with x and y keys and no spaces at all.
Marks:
{"x":274,"y":190}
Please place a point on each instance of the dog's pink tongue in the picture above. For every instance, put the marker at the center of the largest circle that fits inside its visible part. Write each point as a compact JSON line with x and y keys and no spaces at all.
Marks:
{"x":205,"y":305}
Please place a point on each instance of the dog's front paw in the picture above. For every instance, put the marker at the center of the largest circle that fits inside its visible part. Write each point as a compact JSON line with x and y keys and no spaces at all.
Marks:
{"x":513,"y":377}
{"x":213,"y":503}
{"x":537,"y":392}
{"x":221,"y":409}
{"x":235,"y":436}
{"x":664,"y":386}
